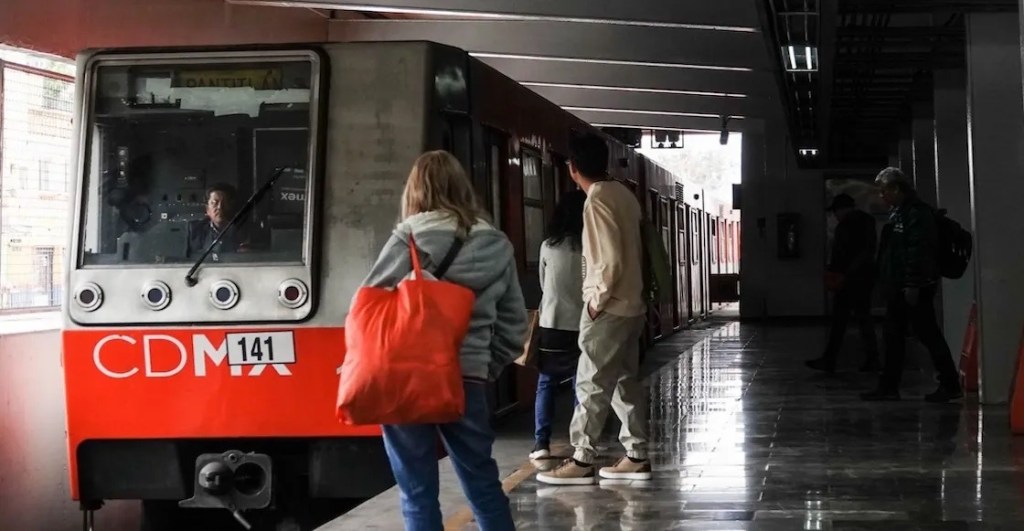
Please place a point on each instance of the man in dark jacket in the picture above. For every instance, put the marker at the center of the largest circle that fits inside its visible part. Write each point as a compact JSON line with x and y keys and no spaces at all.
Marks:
{"x":909,"y":278}
{"x":220,"y":207}
{"x":851,"y":273}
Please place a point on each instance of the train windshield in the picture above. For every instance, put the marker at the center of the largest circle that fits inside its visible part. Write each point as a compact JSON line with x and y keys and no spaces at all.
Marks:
{"x":175,"y":147}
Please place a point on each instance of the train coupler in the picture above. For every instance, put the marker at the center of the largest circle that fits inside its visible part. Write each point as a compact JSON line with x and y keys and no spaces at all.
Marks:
{"x":232,"y":480}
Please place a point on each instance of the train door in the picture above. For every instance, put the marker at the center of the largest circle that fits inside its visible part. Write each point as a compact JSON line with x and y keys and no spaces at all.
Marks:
{"x":696,"y":267}
{"x":495,"y":155}
{"x":683,"y":266}
{"x":533,"y":223}
{"x":674,"y":252}
{"x":504,"y":392}
{"x":714,"y":262}
{"x":667,"y":309}
{"x":708,"y":224}
{"x":654,"y":310}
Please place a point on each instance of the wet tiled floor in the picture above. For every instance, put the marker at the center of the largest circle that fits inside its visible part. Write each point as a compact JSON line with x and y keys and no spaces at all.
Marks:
{"x":745,"y":438}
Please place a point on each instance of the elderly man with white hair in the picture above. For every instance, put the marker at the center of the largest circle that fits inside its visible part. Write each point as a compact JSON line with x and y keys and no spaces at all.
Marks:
{"x":909,"y":279}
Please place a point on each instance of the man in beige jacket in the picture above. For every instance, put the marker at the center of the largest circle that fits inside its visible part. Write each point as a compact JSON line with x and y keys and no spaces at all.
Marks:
{"x":610,"y":327}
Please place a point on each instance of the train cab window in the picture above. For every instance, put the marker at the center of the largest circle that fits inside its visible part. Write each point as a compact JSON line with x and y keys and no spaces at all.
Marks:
{"x":533,"y":205}
{"x":177,"y":146}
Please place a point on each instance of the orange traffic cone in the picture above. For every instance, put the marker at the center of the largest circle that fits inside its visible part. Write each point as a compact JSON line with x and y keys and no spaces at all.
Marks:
{"x":1017,"y":393}
{"x":969,"y":353}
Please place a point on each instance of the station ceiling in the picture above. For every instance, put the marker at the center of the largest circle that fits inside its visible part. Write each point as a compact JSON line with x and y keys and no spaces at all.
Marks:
{"x":843,"y":75}
{"x":634,"y":63}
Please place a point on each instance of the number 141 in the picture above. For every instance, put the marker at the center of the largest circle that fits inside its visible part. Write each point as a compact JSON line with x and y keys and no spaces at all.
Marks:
{"x":257,"y":349}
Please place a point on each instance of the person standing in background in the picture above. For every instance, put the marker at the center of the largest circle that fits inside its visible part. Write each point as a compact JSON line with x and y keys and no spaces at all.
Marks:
{"x":610,"y":325}
{"x":851,"y":271}
{"x":561,"y":279}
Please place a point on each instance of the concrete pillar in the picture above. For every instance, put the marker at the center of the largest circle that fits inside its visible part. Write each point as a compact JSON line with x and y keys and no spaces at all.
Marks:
{"x":995,"y":114}
{"x":923,"y":140}
{"x":773,"y":184}
{"x":953,"y":191}
{"x":754,"y":236}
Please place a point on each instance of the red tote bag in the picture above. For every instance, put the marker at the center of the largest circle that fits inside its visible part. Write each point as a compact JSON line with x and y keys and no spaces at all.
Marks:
{"x":402,"y":352}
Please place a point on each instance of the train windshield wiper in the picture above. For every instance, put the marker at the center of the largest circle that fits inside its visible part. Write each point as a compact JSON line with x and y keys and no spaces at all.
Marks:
{"x":256,"y":197}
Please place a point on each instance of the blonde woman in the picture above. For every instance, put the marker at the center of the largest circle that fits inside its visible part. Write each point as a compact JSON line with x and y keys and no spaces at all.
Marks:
{"x":439,"y":210}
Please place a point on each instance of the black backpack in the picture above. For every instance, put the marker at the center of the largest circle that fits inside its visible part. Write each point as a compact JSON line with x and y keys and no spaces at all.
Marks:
{"x":955,"y":245}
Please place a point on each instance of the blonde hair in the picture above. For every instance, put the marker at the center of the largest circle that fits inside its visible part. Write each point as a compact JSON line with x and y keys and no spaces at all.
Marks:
{"x":438,"y":182}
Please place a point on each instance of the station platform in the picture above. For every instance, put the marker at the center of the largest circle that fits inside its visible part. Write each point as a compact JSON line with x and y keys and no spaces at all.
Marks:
{"x":744,"y":437}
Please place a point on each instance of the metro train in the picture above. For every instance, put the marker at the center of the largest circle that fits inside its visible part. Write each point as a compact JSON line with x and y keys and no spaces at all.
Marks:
{"x":206,"y":377}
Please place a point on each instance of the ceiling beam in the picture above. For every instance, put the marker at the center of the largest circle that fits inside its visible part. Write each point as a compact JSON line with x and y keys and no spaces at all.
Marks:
{"x":728,"y":14}
{"x":927,"y":6}
{"x":661,"y":121}
{"x":607,"y":99}
{"x":654,"y":47}
{"x":757,"y":83}
{"x":904,"y":33}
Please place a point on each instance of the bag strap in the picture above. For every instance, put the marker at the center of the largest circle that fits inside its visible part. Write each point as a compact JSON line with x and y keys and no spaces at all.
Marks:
{"x":417,"y":269}
{"x":442,"y":268}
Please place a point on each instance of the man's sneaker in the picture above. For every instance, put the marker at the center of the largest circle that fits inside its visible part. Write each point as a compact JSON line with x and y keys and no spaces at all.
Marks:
{"x":943,"y":395}
{"x":626,"y":468}
{"x":568,"y":473}
{"x":540,"y":451}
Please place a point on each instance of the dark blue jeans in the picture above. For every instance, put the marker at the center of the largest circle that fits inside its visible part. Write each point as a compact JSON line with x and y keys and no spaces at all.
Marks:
{"x":544,"y":405}
{"x":412,"y":450}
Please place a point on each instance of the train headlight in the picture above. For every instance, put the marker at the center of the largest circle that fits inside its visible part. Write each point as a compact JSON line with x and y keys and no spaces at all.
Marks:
{"x":89,"y":296}
{"x":292,"y":293}
{"x":224,"y":294}
{"x":156,"y":295}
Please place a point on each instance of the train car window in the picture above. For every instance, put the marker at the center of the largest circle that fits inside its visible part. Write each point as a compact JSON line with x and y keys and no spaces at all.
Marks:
{"x":695,"y":232}
{"x":494,"y":174}
{"x":665,"y":220}
{"x":176,"y":146}
{"x":533,"y":205}
{"x":714,"y":239}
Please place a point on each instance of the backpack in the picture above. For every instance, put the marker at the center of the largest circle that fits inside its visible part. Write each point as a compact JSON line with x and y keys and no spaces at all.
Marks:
{"x":657,"y":265}
{"x":954,"y":246}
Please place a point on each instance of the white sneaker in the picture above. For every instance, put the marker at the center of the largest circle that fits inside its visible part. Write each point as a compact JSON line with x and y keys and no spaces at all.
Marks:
{"x":540,"y":453}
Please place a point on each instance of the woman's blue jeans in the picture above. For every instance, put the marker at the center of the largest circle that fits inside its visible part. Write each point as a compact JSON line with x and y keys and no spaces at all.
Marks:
{"x":412,"y":450}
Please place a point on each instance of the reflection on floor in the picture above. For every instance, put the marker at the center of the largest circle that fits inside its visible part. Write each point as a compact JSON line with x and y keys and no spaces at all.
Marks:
{"x":745,"y":438}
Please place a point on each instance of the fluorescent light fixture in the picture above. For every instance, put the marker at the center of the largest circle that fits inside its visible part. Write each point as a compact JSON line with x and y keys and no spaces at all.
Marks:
{"x":491,"y":15}
{"x":702,"y":131}
{"x":632,"y":89}
{"x":654,"y":113}
{"x":489,"y":55}
{"x":802,"y":58}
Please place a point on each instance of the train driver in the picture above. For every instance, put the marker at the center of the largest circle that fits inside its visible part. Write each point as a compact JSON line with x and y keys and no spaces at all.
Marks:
{"x":220,"y":205}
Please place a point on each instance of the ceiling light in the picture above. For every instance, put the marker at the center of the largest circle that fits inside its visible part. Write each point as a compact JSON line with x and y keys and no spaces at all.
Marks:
{"x":802,"y":58}
{"x":808,"y":152}
{"x":640,"y":111}
{"x":632,"y":89}
{"x":490,"y":15}
{"x":489,"y":55}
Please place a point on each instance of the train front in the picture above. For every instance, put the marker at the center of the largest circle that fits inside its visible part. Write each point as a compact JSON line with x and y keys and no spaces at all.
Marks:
{"x":200,"y":357}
